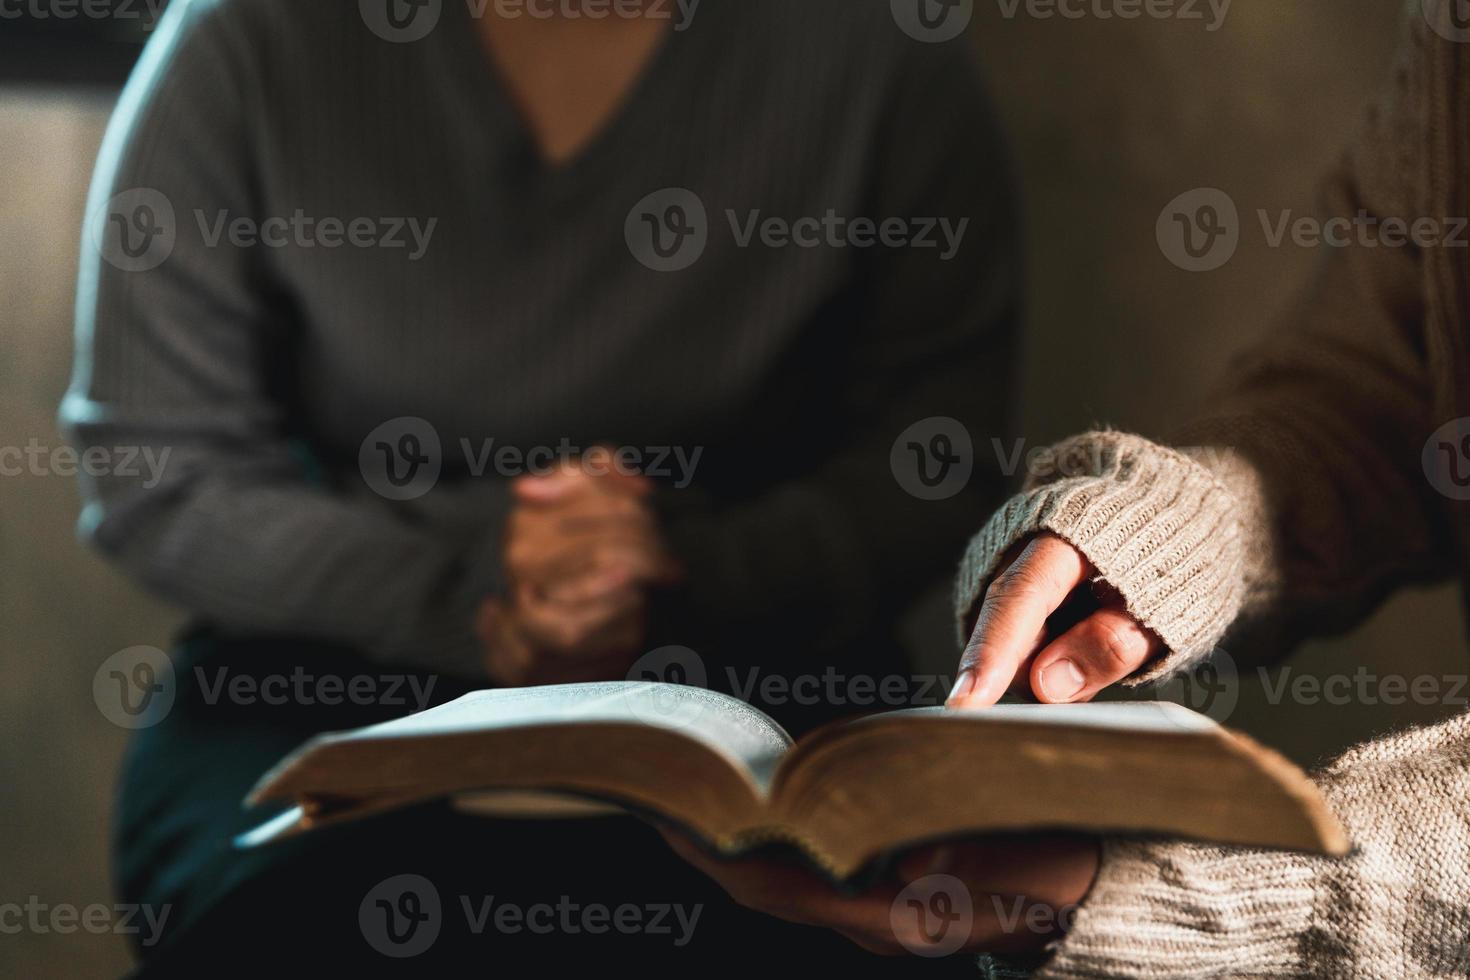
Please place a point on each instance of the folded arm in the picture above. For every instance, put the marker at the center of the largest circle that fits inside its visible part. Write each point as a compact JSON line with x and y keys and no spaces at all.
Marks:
{"x":176,"y":361}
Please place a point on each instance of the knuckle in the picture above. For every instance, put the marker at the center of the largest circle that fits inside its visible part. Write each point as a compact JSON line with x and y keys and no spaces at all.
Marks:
{"x":1116,"y":647}
{"x":1015,"y":581}
{"x":1028,"y":579}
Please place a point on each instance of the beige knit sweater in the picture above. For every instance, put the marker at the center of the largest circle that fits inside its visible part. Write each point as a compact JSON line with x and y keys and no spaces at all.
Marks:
{"x":1303,"y":498}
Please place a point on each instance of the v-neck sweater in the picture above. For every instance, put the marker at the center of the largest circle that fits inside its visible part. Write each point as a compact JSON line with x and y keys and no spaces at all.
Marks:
{"x":490,"y":301}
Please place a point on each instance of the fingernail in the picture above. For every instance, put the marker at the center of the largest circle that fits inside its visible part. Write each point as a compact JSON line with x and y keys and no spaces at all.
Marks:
{"x":963,"y":685}
{"x":1061,"y":681}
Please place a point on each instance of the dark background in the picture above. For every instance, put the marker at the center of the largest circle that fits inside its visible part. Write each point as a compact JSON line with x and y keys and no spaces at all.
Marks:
{"x":95,"y":45}
{"x":1110,"y":120}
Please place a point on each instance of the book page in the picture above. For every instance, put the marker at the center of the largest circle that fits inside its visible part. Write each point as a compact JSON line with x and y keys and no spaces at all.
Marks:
{"x":727,"y":725}
{"x":1134,"y":716}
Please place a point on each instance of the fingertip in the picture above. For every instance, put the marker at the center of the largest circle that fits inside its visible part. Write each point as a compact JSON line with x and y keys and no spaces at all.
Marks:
{"x":989,"y":689}
{"x":960,"y":693}
{"x":977,"y":689}
{"x":536,"y":489}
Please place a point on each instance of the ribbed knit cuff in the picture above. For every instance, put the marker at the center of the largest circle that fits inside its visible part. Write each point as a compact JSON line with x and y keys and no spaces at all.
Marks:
{"x":1178,"y":911}
{"x":1158,"y":526}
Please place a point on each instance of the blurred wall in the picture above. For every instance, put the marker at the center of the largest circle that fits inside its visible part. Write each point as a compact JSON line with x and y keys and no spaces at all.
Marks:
{"x":1110,"y":121}
{"x":61,"y":611}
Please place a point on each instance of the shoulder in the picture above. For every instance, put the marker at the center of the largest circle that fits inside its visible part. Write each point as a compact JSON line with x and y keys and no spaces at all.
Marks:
{"x":277,"y":16}
{"x":255,"y":54}
{"x":258,"y":29}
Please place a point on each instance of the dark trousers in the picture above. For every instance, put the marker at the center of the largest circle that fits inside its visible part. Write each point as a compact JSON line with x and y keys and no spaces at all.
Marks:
{"x":419,"y":892}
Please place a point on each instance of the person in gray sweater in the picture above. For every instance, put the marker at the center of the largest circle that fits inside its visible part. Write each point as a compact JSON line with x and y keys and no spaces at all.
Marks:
{"x":499,"y":344}
{"x":1330,"y":471}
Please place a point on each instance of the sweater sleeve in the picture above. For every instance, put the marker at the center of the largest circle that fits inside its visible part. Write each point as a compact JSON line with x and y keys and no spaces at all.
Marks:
{"x":1398,"y":906}
{"x":1301,"y":500}
{"x":174,"y":362}
{"x":1162,"y":529}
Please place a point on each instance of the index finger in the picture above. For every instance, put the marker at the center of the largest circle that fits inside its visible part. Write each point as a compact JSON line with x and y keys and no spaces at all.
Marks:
{"x":1013,"y":618}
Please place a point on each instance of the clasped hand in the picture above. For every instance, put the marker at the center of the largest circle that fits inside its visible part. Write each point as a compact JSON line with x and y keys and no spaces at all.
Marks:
{"x":582,"y":552}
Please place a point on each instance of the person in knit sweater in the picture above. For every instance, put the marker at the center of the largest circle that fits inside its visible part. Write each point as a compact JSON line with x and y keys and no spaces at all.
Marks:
{"x":1304,"y":497}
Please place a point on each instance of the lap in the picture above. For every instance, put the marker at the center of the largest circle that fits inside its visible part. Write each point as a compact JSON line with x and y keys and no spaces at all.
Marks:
{"x":367,"y":895}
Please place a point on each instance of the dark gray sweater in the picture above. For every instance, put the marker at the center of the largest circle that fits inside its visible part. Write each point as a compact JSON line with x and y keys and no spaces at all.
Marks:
{"x":301,"y":234}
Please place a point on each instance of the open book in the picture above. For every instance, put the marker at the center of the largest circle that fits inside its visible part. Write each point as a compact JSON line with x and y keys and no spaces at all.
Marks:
{"x":844,"y":794}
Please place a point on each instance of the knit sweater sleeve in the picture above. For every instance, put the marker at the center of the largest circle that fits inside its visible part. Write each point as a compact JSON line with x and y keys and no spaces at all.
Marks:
{"x":1301,"y":500}
{"x":1171,"y":536}
{"x":1396,"y":907}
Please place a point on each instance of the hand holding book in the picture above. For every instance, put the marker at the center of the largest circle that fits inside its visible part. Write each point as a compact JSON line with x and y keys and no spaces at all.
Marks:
{"x":1038,"y":632}
{"x":1008,"y":895}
